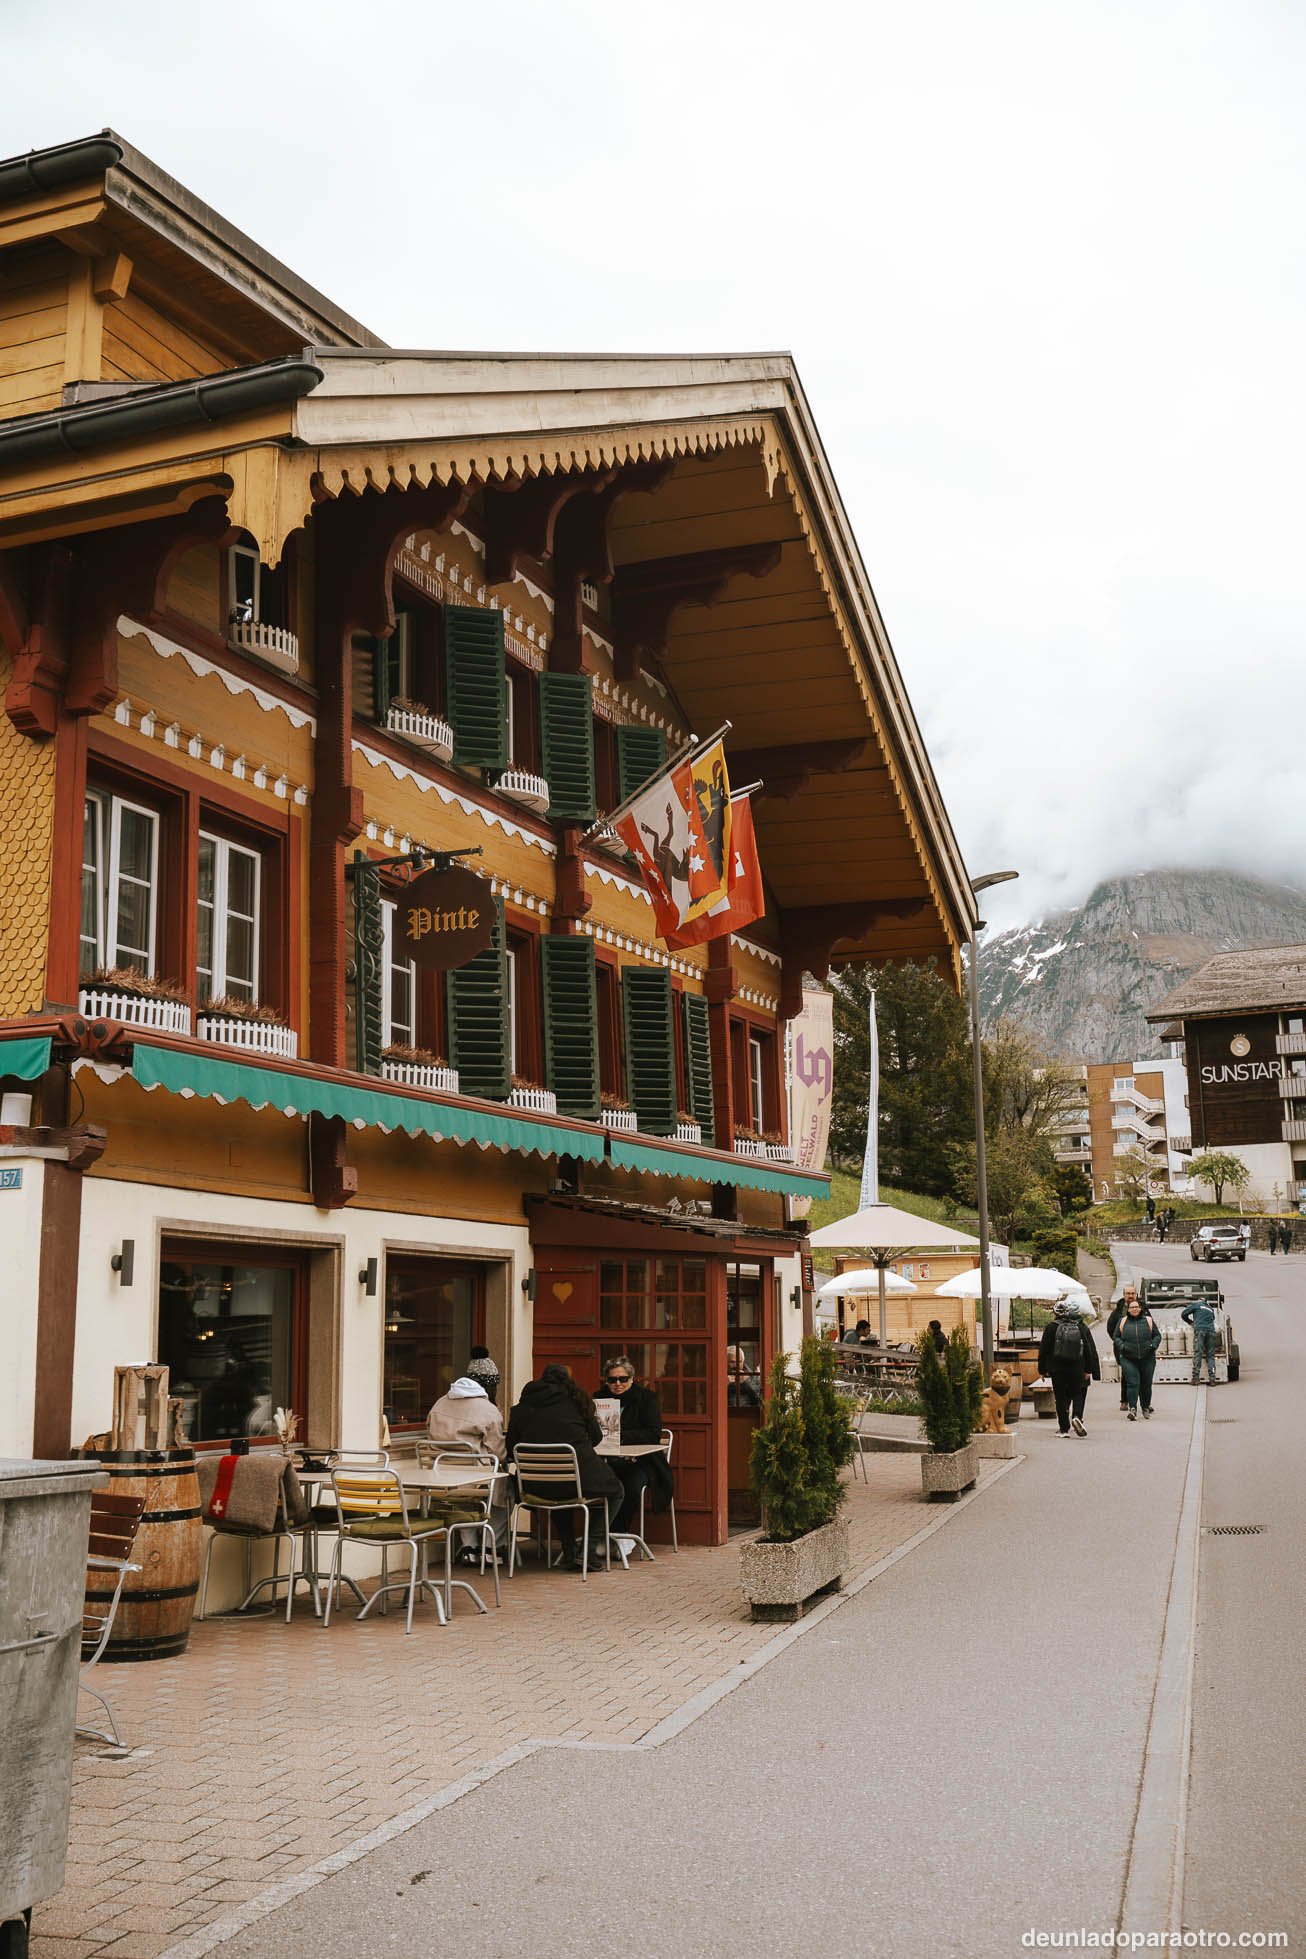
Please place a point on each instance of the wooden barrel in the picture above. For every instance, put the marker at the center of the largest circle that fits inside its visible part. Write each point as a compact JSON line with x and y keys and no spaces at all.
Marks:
{"x":157,"y":1602}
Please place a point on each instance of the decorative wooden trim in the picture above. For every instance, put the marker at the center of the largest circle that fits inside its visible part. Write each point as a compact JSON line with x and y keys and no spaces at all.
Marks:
{"x":810,"y":934}
{"x":644,"y":596}
{"x":784,"y":771}
{"x":581,"y":552}
{"x":333,"y":1180}
{"x":572,"y":901}
{"x":520,"y":518}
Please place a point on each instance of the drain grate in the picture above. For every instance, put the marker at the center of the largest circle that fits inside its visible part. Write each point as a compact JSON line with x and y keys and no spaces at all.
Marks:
{"x":1221,"y":1421}
{"x":1234,"y":1530}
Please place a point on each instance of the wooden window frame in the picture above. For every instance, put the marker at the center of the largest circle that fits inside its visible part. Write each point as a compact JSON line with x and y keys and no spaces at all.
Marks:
{"x":745,"y":1028}
{"x":523,"y":716}
{"x":612,"y":1058}
{"x":525,"y":999}
{"x":224,"y":846}
{"x":251,"y":1251}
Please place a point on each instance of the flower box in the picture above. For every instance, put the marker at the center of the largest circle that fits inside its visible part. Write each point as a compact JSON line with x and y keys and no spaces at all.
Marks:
{"x":134,"y":1009}
{"x":946,"y":1476}
{"x":540,"y":1101}
{"x":689,"y":1132}
{"x":526,"y":788}
{"x":624,"y":1120}
{"x":420,"y":1074}
{"x":244,"y":1031}
{"x":428,"y":731}
{"x":780,"y":1581}
{"x":271,"y":643}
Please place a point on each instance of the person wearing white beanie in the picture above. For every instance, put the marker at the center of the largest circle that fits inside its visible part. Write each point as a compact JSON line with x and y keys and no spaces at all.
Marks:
{"x":465,"y":1417}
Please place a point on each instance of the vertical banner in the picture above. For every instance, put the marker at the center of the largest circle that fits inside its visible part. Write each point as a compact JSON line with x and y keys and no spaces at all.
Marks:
{"x":871,"y":1164}
{"x":812,"y":1035}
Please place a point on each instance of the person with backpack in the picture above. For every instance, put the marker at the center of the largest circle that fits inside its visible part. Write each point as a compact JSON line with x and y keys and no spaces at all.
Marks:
{"x":1137,"y":1338}
{"x":1067,"y":1356}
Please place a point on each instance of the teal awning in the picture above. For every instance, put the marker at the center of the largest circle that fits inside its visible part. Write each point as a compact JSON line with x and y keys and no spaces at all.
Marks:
{"x":185,"y":1073}
{"x":752,"y":1172}
{"x":26,"y":1056}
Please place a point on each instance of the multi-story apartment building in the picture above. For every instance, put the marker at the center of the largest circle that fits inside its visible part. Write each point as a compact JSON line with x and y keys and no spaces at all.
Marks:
{"x":1130,"y":1106}
{"x":287,"y":616}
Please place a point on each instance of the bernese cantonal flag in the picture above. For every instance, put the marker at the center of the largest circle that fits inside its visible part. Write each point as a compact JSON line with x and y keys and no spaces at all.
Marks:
{"x":745,"y":901}
{"x":679,"y":831}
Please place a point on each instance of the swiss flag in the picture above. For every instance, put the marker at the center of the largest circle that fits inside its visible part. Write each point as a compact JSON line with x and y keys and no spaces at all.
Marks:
{"x":745,"y":899}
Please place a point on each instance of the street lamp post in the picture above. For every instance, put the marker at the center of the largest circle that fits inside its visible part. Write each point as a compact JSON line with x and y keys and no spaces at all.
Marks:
{"x":978,"y":884}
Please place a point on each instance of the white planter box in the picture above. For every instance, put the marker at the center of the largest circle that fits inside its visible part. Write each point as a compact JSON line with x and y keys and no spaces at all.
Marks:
{"x":523,"y":787}
{"x":778,"y":1580}
{"x":540,"y":1101}
{"x":995,"y":1448}
{"x":271,"y":643}
{"x":106,"y":1003}
{"x":689,"y":1132}
{"x":779,"y":1153}
{"x":426,"y":731}
{"x":253,"y":1036}
{"x":749,"y":1146}
{"x":420,"y":1074}
{"x":946,"y":1476}
{"x":624,"y":1120}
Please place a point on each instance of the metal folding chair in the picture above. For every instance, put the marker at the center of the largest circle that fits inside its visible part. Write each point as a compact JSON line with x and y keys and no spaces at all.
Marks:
{"x":373,"y":1510}
{"x":113,"y":1531}
{"x":668,"y":1440}
{"x":552,"y":1467}
{"x":291,"y":1534}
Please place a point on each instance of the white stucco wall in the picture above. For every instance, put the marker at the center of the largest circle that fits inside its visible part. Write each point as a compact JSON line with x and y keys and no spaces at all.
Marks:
{"x":20,"y":1232}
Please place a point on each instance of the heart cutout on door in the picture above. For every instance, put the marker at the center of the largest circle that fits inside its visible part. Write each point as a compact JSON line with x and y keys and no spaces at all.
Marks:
{"x":562,"y":1290}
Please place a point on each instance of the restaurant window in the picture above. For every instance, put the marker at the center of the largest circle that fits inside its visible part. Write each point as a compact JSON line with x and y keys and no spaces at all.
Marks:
{"x":434,"y":1312}
{"x":120,"y":874}
{"x":744,"y":1306}
{"x":227,"y":959}
{"x":398,"y":989}
{"x":232,"y":1333}
{"x":639,"y":1296}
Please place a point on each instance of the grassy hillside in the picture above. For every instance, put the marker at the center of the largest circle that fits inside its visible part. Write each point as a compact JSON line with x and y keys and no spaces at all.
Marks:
{"x":845,"y":1189}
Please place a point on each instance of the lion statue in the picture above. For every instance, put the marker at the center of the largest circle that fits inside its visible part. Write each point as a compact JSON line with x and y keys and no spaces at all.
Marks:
{"x":993,"y":1406}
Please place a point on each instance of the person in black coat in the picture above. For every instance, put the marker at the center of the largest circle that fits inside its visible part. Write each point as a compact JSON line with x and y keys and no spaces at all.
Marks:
{"x":557,"y":1409}
{"x":1067,"y":1356}
{"x":1137,"y":1338}
{"x":1117,"y":1313}
{"x":641,"y":1421}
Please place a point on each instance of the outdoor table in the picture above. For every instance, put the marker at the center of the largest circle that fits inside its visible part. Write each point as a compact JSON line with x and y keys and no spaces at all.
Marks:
{"x":446,"y":1476}
{"x":629,"y":1452}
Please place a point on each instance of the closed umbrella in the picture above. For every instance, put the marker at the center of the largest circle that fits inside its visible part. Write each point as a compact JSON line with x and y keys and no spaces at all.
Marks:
{"x":886,"y":1232}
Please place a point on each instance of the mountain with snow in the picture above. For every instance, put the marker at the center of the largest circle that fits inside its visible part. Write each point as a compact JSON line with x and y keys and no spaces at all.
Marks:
{"x":1083,"y":979}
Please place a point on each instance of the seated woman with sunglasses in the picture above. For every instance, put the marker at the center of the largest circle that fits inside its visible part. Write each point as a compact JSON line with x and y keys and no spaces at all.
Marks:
{"x":641,"y":1421}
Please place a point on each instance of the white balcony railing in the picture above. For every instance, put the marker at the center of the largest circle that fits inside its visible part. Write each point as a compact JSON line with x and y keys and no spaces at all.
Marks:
{"x":689,"y":1132}
{"x":134,"y":1010}
{"x":420,"y":1074}
{"x":749,"y":1146}
{"x":624,"y":1121}
{"x":251,"y":1036}
{"x":526,"y":788}
{"x":428,"y":731}
{"x":1290,"y":1043}
{"x":1292,"y":1086}
{"x":779,"y":1153}
{"x":540,"y":1101}
{"x":271,"y":643}
{"x":1294,"y":1132}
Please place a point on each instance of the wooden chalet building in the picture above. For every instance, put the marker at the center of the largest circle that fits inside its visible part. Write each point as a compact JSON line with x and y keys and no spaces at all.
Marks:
{"x":279,"y":604}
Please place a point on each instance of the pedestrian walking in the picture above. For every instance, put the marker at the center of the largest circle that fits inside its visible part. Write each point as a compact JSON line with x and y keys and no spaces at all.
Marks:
{"x":1274,"y":1239}
{"x":1117,"y":1313}
{"x":1137,"y":1338}
{"x":1067,"y":1356}
{"x":1151,"y":1209}
{"x":1201,"y":1317}
{"x":1162,"y":1226}
{"x":1285,"y":1239}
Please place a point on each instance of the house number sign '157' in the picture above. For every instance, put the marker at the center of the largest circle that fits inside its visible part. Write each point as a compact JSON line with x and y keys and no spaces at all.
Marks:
{"x":443,"y":919}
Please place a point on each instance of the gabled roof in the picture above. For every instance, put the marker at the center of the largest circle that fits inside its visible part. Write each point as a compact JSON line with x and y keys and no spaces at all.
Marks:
{"x":1265,"y":979}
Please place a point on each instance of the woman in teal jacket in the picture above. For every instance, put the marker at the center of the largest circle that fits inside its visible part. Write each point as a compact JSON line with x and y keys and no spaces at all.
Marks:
{"x":1137,"y":1338}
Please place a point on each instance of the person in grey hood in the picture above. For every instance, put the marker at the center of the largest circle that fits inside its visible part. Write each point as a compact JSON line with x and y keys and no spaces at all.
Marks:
{"x":1067,"y":1356}
{"x":1201,"y":1317}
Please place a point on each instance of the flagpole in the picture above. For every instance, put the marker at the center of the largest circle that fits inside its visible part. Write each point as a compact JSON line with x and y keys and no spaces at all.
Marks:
{"x":615,"y":815}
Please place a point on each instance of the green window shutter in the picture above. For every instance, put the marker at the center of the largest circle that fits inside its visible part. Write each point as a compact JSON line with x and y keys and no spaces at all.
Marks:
{"x":650,"y":1048}
{"x":571,"y":1031}
{"x":698,"y":1063}
{"x":369,"y":977}
{"x":567,"y":745}
{"x":476,"y":686}
{"x":640,"y":754}
{"x":480,"y":1041}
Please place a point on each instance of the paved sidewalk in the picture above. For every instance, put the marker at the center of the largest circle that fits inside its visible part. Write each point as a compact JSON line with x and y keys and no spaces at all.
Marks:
{"x":266,"y":1748}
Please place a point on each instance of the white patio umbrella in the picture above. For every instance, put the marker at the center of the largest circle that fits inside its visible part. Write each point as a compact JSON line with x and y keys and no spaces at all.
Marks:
{"x":1021,"y":1282}
{"x":886,"y":1232}
{"x":866,"y":1279}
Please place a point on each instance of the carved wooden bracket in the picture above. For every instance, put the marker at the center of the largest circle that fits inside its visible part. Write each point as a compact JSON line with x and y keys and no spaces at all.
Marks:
{"x":571,"y":899}
{"x":784,"y":771}
{"x":644,"y":596}
{"x":85,"y":1144}
{"x":811,"y":933}
{"x":333,"y":1178}
{"x":520,"y":522}
{"x":581,"y":551}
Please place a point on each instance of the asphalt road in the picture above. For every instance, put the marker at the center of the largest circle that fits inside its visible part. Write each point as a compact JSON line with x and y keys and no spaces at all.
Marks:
{"x":939,"y":1767}
{"x":1247,"y":1806}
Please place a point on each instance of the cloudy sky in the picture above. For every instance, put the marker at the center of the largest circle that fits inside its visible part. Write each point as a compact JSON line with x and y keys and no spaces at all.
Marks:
{"x":1041,"y":267}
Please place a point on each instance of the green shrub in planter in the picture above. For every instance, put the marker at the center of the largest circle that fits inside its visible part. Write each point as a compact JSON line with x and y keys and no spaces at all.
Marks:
{"x":950,"y":1387}
{"x":804,"y":1441}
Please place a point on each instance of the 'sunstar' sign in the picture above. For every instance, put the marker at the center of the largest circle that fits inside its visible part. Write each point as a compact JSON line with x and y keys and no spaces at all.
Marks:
{"x":1214,"y":1073}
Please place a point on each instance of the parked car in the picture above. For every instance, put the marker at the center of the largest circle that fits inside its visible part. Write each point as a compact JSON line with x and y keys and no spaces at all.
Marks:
{"x":1218,"y":1241}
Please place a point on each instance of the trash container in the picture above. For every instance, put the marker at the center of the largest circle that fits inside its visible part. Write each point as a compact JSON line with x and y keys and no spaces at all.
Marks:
{"x":45,"y":1512}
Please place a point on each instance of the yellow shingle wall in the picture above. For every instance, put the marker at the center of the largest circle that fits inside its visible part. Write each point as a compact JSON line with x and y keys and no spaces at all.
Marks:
{"x":27,"y":827}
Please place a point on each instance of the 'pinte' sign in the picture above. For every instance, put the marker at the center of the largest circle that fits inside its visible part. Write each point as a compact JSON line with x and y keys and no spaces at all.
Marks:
{"x":443,"y":919}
